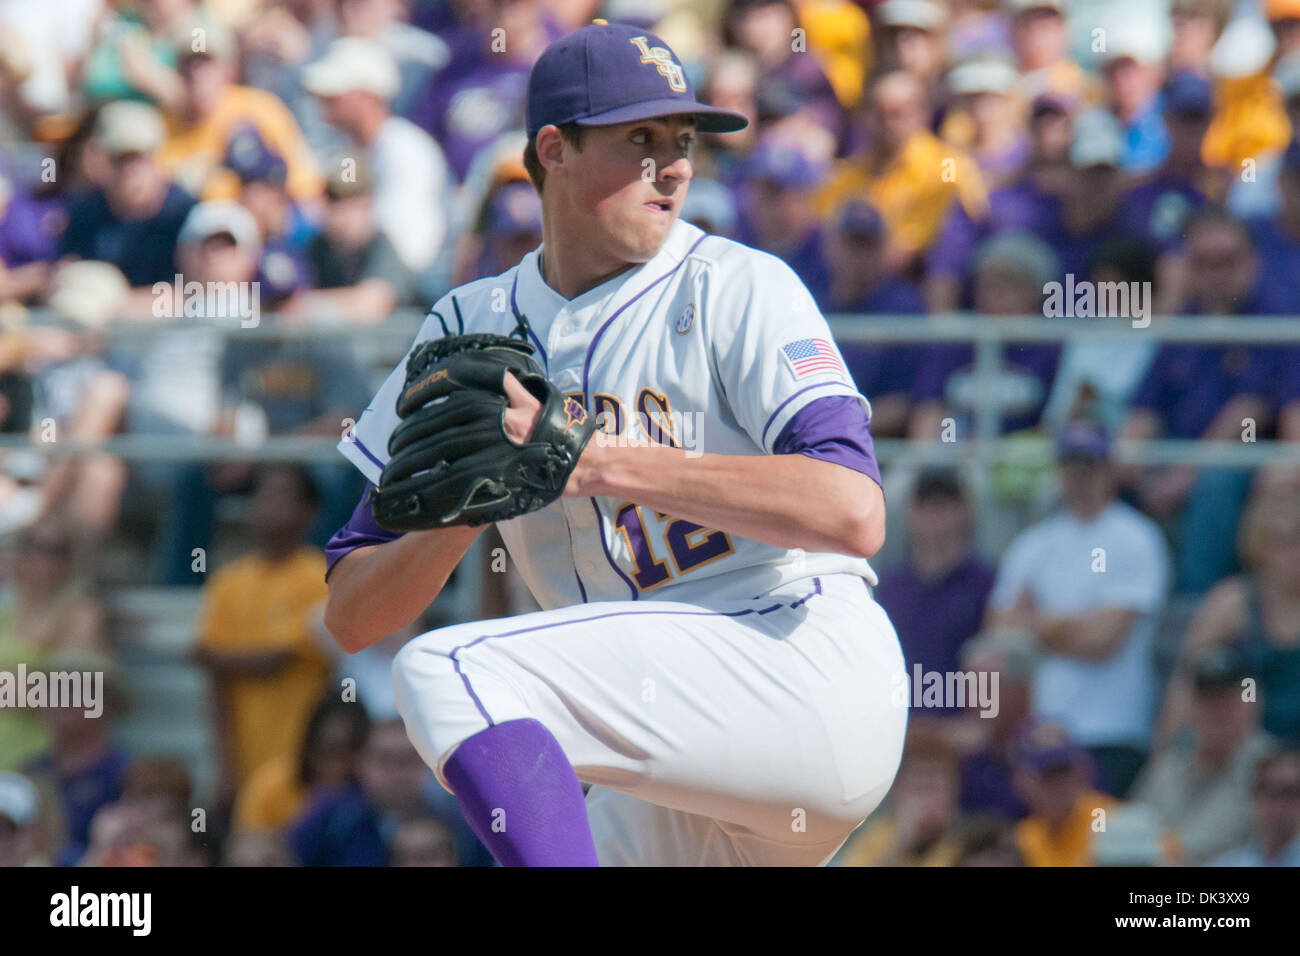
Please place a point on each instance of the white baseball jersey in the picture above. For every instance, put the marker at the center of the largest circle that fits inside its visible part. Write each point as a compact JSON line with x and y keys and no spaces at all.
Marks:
{"x":711,"y":346}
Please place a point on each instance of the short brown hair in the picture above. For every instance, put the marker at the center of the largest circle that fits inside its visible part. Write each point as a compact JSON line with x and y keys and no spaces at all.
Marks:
{"x":572,"y":133}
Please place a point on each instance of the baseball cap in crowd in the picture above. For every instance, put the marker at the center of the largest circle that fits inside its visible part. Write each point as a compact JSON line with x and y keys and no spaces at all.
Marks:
{"x":1082,"y":442}
{"x":1016,"y":7}
{"x":1220,"y":668}
{"x":249,"y":158}
{"x":605,"y":74}
{"x":89,"y":293}
{"x":710,"y":202}
{"x":1053,"y":101}
{"x":984,"y":75}
{"x":221,"y":217}
{"x":124,"y":127}
{"x":859,"y":218}
{"x":18,"y":800}
{"x":1044,"y":746}
{"x":1133,"y":43}
{"x":1020,"y":252}
{"x":514,"y":210}
{"x":353,"y":64}
{"x":1187,"y":94}
{"x":919,"y":14}
{"x":1131,"y":838}
{"x":1098,"y":140}
{"x":784,"y":165}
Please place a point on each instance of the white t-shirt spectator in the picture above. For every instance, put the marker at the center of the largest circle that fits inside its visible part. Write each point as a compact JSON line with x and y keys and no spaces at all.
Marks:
{"x":1111,"y":701}
{"x":411,"y":192}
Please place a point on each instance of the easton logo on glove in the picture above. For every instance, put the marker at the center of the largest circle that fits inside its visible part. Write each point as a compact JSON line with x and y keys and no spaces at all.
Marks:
{"x":450,"y":459}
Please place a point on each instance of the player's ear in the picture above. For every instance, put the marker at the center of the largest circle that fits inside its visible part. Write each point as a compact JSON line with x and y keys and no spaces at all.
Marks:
{"x":550,"y":148}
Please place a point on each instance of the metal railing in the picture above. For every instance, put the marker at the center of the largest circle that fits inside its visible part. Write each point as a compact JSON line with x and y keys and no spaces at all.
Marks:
{"x":391,"y":340}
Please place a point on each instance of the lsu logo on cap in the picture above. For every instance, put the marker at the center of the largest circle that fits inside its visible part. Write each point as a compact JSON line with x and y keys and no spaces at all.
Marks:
{"x":661,"y":58}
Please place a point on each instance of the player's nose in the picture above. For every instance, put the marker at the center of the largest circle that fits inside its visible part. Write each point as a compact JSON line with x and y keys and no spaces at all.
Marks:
{"x":679,"y":170}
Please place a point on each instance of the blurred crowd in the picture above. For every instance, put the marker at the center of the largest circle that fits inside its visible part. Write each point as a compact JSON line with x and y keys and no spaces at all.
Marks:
{"x":335,"y":161}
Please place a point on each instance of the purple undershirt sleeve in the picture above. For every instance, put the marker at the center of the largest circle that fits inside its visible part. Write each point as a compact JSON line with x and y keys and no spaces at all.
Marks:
{"x":361,"y":530}
{"x":835,"y":429}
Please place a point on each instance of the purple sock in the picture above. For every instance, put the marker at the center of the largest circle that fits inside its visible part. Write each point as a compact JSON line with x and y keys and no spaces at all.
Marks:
{"x":515,"y":775}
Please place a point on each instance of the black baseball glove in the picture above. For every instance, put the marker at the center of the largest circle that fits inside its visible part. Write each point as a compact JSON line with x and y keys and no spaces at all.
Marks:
{"x":450,"y":461}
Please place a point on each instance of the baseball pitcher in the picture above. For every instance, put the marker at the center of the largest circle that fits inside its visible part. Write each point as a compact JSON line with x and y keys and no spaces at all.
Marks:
{"x":663,"y":430}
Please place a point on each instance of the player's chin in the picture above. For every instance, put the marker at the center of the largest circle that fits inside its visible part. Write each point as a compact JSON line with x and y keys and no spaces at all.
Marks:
{"x":650,"y":226}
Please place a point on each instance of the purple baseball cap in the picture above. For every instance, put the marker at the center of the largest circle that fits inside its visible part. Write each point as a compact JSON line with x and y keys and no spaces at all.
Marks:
{"x":607,"y":73}
{"x":1082,"y":441}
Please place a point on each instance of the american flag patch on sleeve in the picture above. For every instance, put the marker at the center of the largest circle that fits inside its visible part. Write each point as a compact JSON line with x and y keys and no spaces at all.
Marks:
{"x":811,"y":356}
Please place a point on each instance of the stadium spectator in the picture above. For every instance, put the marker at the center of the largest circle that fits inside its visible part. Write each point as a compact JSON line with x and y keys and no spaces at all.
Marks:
{"x":83,"y":765}
{"x":1097,"y":380}
{"x":732,"y":84}
{"x":1275,"y":840}
{"x":1157,"y":210}
{"x":254,"y":637}
{"x":918,"y":828}
{"x":417,"y":53}
{"x":1258,"y":195}
{"x":1041,"y":43}
{"x":19,"y":822}
{"x":936,"y":596}
{"x":1011,"y":273}
{"x":134,"y":220}
{"x":1090,"y":582}
{"x":1276,"y":237}
{"x":357,"y":275}
{"x":133,"y":56}
{"x":327,"y":758}
{"x":214,"y":105}
{"x":1201,"y":784}
{"x":26,"y":247}
{"x":356,"y":80}
{"x":764,"y":28}
{"x":509,"y":227}
{"x":1208,"y":392}
{"x":1258,"y":613}
{"x":897,"y":174}
{"x":995,"y":133}
{"x":1053,"y":776}
{"x":81,"y":396}
{"x":261,"y":188}
{"x":1196,"y":26}
{"x":479,"y":94}
{"x":1133,"y":70}
{"x":776,"y":215}
{"x":988,"y":740}
{"x":912,"y":40}
{"x":1073,"y":207}
{"x":150,"y":824}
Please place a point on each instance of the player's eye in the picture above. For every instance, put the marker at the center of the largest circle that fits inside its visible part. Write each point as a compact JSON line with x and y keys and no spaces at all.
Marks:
{"x":641,"y":136}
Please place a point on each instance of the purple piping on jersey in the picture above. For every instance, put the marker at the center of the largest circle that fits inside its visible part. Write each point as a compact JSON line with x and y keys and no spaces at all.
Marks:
{"x":514,"y":307}
{"x":591,"y":349}
{"x":600,"y":527}
{"x":817,"y":585}
{"x":366,"y":451}
{"x":576,"y":575}
{"x":817,"y":582}
{"x":769,"y":610}
{"x":762,"y":439}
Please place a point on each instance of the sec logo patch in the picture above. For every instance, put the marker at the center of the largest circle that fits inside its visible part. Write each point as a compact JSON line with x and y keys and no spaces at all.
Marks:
{"x":686,"y":319}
